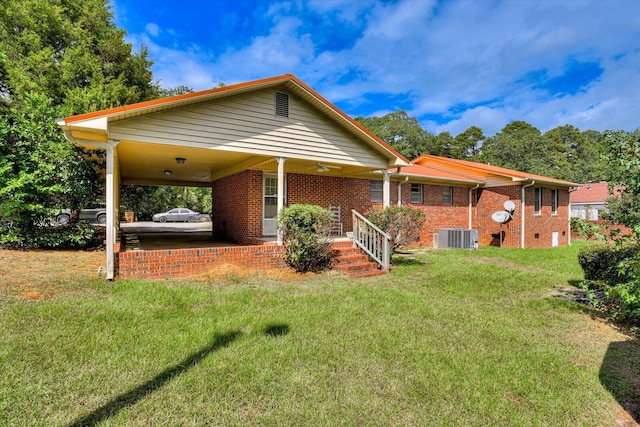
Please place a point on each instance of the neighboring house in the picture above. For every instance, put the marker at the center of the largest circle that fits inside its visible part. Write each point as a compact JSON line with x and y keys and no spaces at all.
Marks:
{"x":589,"y":201}
{"x":269,"y":143}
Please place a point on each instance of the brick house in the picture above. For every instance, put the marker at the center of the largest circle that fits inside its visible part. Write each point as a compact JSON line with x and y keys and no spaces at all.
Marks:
{"x":462,"y":194}
{"x":265,"y":144}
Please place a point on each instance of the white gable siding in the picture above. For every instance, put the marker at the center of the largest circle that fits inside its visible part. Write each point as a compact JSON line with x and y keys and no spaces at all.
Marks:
{"x":248,"y":124}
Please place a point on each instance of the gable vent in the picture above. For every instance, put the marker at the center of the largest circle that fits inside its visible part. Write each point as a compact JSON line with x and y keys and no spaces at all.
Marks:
{"x":282,"y":104}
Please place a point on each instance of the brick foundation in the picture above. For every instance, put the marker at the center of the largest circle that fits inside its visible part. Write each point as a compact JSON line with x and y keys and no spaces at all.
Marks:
{"x":161,"y":264}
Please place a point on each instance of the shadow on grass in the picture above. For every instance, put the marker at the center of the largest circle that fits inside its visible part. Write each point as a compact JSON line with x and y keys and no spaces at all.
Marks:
{"x":276,"y":330}
{"x":136,"y":394}
{"x":620,"y":375}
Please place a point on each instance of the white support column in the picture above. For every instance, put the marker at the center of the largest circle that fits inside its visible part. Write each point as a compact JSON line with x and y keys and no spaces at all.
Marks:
{"x":110,"y":182}
{"x":280,"y":161}
{"x":386,"y":189}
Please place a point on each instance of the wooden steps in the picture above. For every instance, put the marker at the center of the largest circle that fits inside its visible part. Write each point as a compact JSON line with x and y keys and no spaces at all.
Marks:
{"x":352,"y":262}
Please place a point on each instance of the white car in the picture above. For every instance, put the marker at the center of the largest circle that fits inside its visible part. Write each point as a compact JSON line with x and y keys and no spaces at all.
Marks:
{"x":177,"y":215}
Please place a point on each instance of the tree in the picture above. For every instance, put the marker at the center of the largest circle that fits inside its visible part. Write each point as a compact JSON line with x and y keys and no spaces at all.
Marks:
{"x":58,"y":58}
{"x":40,"y":173}
{"x":622,"y":154}
{"x":468,"y":144}
{"x":72,"y":52}
{"x":400,"y":131}
{"x":576,"y":153}
{"x":521,"y":146}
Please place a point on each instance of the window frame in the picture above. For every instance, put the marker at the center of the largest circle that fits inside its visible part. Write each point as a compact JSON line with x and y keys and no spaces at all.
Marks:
{"x":447,"y":195}
{"x":373,"y":191}
{"x":419,"y":194}
{"x":537,"y":200}
{"x":554,"y":201}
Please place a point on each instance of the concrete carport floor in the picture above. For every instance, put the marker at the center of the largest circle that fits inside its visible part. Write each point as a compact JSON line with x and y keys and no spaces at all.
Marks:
{"x":148,"y":236}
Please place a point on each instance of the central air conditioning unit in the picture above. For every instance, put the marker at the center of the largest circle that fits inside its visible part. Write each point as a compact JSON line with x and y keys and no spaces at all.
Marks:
{"x":457,"y":238}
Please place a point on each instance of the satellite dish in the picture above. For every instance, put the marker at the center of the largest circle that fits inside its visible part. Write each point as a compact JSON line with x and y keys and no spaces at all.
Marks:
{"x":509,"y":206}
{"x":501,"y":216}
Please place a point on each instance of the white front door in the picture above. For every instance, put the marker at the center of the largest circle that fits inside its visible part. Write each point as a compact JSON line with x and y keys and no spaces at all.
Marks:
{"x":554,"y":239}
{"x":270,"y":203}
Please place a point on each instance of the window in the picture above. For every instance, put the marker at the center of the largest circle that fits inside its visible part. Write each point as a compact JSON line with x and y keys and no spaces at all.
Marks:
{"x":537,"y":200}
{"x":447,"y":195}
{"x":376,"y":191}
{"x":416,"y":193}
{"x":554,"y":202}
{"x":282,"y":104}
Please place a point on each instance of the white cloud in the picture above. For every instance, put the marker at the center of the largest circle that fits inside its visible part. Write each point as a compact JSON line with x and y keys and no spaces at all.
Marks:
{"x":467,"y":62}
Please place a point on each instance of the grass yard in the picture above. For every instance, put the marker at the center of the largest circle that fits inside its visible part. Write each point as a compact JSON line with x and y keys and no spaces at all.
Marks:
{"x":469,"y":338}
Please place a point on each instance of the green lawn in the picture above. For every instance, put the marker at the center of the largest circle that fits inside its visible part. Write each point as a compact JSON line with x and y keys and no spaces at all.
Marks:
{"x":448,"y":338}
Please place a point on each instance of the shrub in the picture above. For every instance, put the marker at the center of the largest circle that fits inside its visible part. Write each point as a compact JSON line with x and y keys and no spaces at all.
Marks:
{"x":617,"y":271}
{"x":603,"y":263}
{"x":305,"y":231}
{"x":75,"y":235}
{"x":586,"y":229}
{"x":402,"y":223}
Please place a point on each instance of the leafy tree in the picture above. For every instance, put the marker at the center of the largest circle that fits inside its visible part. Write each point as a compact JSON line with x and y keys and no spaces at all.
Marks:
{"x":72,"y":52}
{"x":468,"y":144}
{"x":521,"y":146}
{"x":178,"y":90}
{"x":442,"y":145}
{"x":40,"y":173}
{"x":401,"y":131}
{"x":58,"y":58}
{"x":148,"y":200}
{"x":576,"y":153}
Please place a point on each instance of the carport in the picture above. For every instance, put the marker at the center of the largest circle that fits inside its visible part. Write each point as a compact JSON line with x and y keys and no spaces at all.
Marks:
{"x":259,"y":130}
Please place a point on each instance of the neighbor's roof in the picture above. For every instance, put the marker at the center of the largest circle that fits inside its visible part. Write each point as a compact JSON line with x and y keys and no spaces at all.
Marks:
{"x":99,"y":119}
{"x":477,"y":172}
{"x":596,"y":192}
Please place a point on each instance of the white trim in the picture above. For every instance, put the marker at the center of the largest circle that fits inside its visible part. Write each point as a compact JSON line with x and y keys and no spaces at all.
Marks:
{"x":281,"y":189}
{"x":522,"y":214}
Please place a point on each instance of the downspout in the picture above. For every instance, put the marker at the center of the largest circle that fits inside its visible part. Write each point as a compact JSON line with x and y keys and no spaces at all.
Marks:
{"x":406,"y":179}
{"x":471,"y":205}
{"x":522,"y":218}
{"x":110,"y":199}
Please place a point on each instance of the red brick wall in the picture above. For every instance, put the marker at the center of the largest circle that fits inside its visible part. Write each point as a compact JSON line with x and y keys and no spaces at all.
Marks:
{"x":162,"y":264}
{"x":539,"y":228}
{"x":237,"y":207}
{"x":438,"y":215}
{"x":325,"y":191}
{"x":543,"y":225}
{"x":492,"y":200}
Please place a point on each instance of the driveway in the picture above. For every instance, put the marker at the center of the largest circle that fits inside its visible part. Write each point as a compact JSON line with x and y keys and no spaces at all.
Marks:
{"x":142,"y":227}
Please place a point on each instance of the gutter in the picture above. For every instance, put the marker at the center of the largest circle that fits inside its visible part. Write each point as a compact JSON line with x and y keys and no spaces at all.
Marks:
{"x":522,"y":218}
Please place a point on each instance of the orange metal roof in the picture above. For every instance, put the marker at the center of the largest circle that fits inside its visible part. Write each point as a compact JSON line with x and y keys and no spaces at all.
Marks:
{"x":428,"y":172}
{"x":465,"y":165}
{"x":203,"y":95}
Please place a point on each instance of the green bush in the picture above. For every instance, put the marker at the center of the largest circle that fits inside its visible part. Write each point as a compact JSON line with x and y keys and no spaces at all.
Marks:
{"x":74,"y":235}
{"x":604,"y":262}
{"x":615,"y":270}
{"x":586,"y":229}
{"x":402,"y":223}
{"x":305,"y":231}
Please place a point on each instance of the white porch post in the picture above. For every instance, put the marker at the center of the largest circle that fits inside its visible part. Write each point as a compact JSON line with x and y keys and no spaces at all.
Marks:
{"x":280,"y":161}
{"x":386,"y":189}
{"x":111,"y":209}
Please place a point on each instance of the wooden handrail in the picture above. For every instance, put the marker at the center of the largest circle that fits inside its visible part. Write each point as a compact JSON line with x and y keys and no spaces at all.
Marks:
{"x":373,"y":241}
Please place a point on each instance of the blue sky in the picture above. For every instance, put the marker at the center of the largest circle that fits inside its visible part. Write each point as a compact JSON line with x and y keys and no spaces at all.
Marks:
{"x":452,"y":64}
